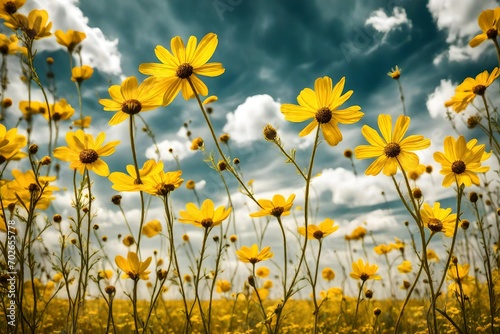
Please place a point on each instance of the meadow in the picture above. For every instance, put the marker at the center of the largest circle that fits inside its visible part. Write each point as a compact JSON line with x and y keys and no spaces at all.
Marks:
{"x":214,"y":279}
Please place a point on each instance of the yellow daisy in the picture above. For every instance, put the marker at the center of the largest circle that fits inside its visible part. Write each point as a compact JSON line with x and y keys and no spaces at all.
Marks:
{"x":364,"y":271}
{"x":132,"y":267}
{"x":325,"y":228}
{"x":152,"y":228}
{"x":70,"y":39}
{"x":205,"y":217}
{"x":390,"y":149}
{"x":461,"y":162}
{"x":85,"y":152}
{"x":252,"y":254}
{"x":9,"y":7}
{"x":438,"y":219}
{"x":11,"y":144}
{"x":185,"y":63}
{"x":34,"y":26}
{"x":277,"y":207}
{"x":489,"y":22}
{"x":382,"y":249}
{"x":124,"y":182}
{"x":395,"y":73}
{"x":162,"y":183}
{"x":129,"y":98}
{"x":80,"y":74}
{"x":405,"y":267}
{"x":460,"y":276}
{"x":321,"y":105}
{"x":83,"y":123}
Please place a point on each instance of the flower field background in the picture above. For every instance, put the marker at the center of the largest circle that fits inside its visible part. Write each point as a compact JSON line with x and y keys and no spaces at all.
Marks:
{"x":104,"y":226}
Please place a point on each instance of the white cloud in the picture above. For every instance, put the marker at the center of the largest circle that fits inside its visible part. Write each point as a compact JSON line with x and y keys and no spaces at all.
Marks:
{"x":459,"y":19}
{"x":180,"y":149}
{"x":98,"y":51}
{"x":246,"y":123}
{"x":435,"y":101}
{"x":384,"y":23}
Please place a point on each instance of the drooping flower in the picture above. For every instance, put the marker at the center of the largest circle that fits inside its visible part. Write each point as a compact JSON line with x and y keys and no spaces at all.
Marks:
{"x":398,"y":245}
{"x":25,"y":188}
{"x":276,"y":207}
{"x":11,"y":144}
{"x":162,"y":183}
{"x":252,"y":255}
{"x":70,"y":39}
{"x":132,"y":267}
{"x":30,"y":108}
{"x":129,"y":98}
{"x":8,"y":45}
{"x":382,"y":249}
{"x":34,"y":26}
{"x":81,"y":73}
{"x":205,"y":217}
{"x":489,"y":22}
{"x":358,"y":234}
{"x":460,"y":162}
{"x":60,"y":111}
{"x":364,"y":271}
{"x":10,"y":7}
{"x":321,"y":106}
{"x":83,"y":123}
{"x":438,"y":219}
{"x":390,"y":149}
{"x":395,"y":73}
{"x":85,"y":152}
{"x":129,"y":182}
{"x":325,"y":228}
{"x":185,"y":63}
{"x":467,"y":91}
{"x":151,"y":228}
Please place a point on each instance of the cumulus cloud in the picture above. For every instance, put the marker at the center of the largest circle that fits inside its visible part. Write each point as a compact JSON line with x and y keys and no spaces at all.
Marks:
{"x":179,"y":149}
{"x":459,"y":19}
{"x":98,"y":51}
{"x":385,"y":23}
{"x":246,"y":122}
{"x":441,"y":94}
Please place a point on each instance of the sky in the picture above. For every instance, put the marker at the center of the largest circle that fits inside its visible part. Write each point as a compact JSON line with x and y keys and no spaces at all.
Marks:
{"x":271,"y":50}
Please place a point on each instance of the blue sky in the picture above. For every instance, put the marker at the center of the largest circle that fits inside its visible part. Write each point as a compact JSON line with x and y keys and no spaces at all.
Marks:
{"x":271,"y":50}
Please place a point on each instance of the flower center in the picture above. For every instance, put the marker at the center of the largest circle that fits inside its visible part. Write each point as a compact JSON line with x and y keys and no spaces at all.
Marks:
{"x":207,"y":222}
{"x":277,"y":211}
{"x":318,"y":234}
{"x":392,"y":150}
{"x":88,"y":156}
{"x":131,"y":107}
{"x":4,"y":49}
{"x":184,"y":71}
{"x":323,"y":115}
{"x":33,"y":187}
{"x":31,"y":33}
{"x":56,"y":116}
{"x":492,"y":33}
{"x":10,"y":7}
{"x":364,"y":276}
{"x":253,"y":260}
{"x":479,"y":90}
{"x":2,"y":159}
{"x":435,"y":225}
{"x":458,"y":167}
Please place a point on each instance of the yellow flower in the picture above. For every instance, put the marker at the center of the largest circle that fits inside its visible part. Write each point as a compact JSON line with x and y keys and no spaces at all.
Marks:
{"x":262,"y":272}
{"x":8,"y":45}
{"x":70,"y":39}
{"x":358,"y":233}
{"x":80,"y":74}
{"x":382,"y":249}
{"x":9,"y":7}
{"x":57,"y":277}
{"x":461,"y":162}
{"x":223,"y":286}
{"x":124,"y":182}
{"x":328,"y":274}
{"x":85,"y":152}
{"x":162,"y":183}
{"x":414,"y":173}
{"x":277,"y":207}
{"x":210,"y":99}
{"x":185,"y":63}
{"x":205,"y":217}
{"x":132,"y":267}
{"x":85,"y":123}
{"x":60,"y":111}
{"x":460,"y":276}
{"x":105,"y":274}
{"x":391,"y":149}
{"x":252,"y":254}
{"x":438,"y":219}
{"x":25,"y":188}
{"x":398,"y":245}
{"x":364,"y":271}
{"x":467,"y":91}
{"x":395,"y":73}
{"x":331,"y":293}
{"x":11,"y":144}
{"x":152,"y":228}
{"x":29,"y":108}
{"x":489,"y":22}
{"x":128,"y":240}
{"x":268,"y":284}
{"x":405,"y":267}
{"x":197,"y":143}
{"x":431,"y":255}
{"x":35,"y":26}
{"x":321,"y":105}
{"x":190,"y":184}
{"x":130,"y":99}
{"x":324,"y":229}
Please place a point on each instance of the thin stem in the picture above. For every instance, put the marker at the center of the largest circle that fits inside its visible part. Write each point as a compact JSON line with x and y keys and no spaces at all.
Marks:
{"x":402,"y":96}
{"x":490,"y":131}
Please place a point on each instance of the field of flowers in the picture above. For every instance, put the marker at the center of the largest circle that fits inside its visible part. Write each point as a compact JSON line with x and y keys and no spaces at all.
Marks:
{"x":188,"y":286}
